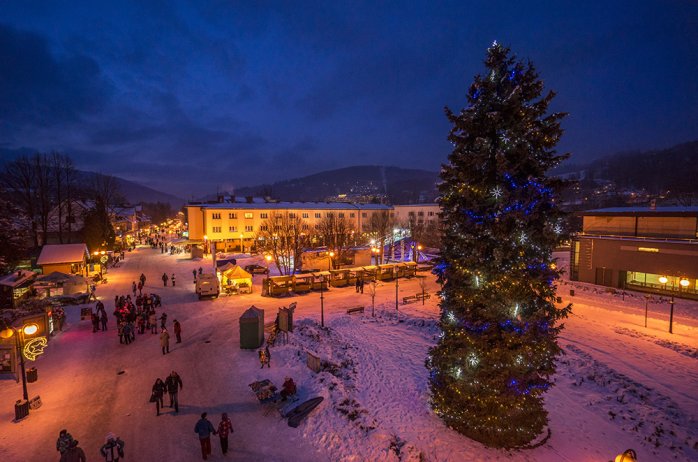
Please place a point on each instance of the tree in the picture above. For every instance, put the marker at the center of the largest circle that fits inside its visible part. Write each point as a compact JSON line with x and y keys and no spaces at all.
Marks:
{"x":98,"y":231}
{"x":64,"y":189}
{"x":380,"y":226}
{"x":501,"y":224}
{"x":337,"y":233}
{"x":282,"y":236}
{"x":14,"y":234}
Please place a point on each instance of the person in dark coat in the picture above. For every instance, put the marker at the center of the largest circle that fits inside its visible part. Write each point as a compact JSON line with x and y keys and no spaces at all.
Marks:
{"x":204,"y":428}
{"x":193,"y":272}
{"x":142,"y":279}
{"x":164,"y":279}
{"x":268,"y":355}
{"x":163,"y":320}
{"x":173,"y":382}
{"x":103,"y":319}
{"x":165,"y":341}
{"x":74,"y":453}
{"x":133,"y":288}
{"x":113,"y":448}
{"x":358,"y":284}
{"x":64,"y":441}
{"x":225,"y":427}
{"x":178,"y":331}
{"x":95,"y":322}
{"x":173,"y":279}
{"x":158,"y":394}
{"x":288,"y":388}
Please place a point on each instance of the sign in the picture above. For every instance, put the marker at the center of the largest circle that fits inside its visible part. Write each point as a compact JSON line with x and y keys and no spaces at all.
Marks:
{"x":34,"y":348}
{"x":104,"y":259}
{"x":35,"y":402}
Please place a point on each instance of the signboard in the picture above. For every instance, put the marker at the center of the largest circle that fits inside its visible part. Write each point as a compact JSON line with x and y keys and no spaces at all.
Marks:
{"x":34,"y":348}
{"x":104,"y":259}
{"x":35,"y":402}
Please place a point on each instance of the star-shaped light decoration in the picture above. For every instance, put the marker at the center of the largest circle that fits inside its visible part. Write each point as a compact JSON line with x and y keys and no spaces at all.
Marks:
{"x":497,"y":192}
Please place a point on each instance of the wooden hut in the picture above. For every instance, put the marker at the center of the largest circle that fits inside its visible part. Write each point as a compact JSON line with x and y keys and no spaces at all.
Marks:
{"x":302,"y":283}
{"x":321,"y":280}
{"x":339,"y":277}
{"x":386,"y":272}
{"x":277,"y":286}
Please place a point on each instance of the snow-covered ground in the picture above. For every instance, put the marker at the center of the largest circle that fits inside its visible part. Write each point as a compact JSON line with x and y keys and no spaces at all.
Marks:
{"x":620,"y":385}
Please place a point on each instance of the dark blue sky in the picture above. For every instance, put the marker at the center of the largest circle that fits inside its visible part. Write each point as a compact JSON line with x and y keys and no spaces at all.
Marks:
{"x":191,"y":97}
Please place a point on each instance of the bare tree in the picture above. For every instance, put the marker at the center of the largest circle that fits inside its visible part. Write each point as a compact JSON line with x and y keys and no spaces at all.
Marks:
{"x":282,"y":237}
{"x":380,"y":226}
{"x":337,"y":233}
{"x":106,"y":188}
{"x":43,"y":188}
{"x":19,"y":178}
{"x":63,"y":174}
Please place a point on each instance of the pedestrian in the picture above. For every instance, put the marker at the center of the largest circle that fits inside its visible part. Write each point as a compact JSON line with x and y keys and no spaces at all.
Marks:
{"x":201,"y":270}
{"x":288,"y":388}
{"x":361,"y":286}
{"x":358,"y":284}
{"x":164,"y":279}
{"x":74,"y":453}
{"x":140,"y":288}
{"x":165,"y":341}
{"x":193,"y":272}
{"x":178,"y":331}
{"x":142,"y":279}
{"x":173,"y":279}
{"x":204,"y":428}
{"x":158,"y":394}
{"x":133,"y":288}
{"x":173,"y":382}
{"x":63,"y":442}
{"x":95,"y":322}
{"x":225,"y":427}
{"x":103,"y":319}
{"x":113,"y":448}
{"x":268,"y":355}
{"x":163,"y":320}
{"x":262,"y":359}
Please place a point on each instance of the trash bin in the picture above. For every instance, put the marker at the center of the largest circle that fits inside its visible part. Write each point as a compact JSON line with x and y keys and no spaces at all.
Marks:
{"x":571,"y":292}
{"x":21,"y":409}
{"x":252,"y":328}
{"x":32,"y":375}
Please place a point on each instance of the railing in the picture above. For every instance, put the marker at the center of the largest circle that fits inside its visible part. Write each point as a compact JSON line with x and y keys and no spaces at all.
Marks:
{"x":677,"y":240}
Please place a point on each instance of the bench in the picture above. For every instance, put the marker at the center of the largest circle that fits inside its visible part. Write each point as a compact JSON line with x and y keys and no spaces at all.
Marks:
{"x":355,"y":309}
{"x":409,"y":299}
{"x":424,"y":296}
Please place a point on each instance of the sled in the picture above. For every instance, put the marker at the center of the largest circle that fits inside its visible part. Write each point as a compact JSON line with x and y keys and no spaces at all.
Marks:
{"x":297,"y":414}
{"x":265,"y":391}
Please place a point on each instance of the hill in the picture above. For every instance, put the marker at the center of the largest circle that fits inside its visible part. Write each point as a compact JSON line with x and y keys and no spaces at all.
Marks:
{"x":362,"y":183}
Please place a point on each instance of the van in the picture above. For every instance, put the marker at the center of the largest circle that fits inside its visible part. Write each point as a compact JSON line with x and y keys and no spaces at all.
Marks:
{"x":207,"y":285}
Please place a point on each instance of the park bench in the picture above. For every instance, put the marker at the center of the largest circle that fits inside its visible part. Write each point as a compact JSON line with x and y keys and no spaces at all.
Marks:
{"x":424,"y":296}
{"x":409,"y":299}
{"x":355,"y":309}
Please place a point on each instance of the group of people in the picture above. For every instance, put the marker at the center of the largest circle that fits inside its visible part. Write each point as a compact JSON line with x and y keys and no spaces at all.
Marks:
{"x":165,"y":278}
{"x":359,"y":285}
{"x":112,"y":450}
{"x":172,"y":385}
{"x":204,"y":428}
{"x":132,"y":318}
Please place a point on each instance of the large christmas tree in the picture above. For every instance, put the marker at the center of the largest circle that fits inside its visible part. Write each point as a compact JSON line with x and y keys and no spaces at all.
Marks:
{"x":497,"y":353}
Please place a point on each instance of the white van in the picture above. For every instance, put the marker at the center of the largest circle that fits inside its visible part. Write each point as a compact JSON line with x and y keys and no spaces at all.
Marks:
{"x":207,"y":285}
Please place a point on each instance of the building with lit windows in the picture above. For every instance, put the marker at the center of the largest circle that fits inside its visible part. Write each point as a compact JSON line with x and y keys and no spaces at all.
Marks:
{"x":233,"y":225}
{"x":420,"y":214}
{"x":651,"y":250}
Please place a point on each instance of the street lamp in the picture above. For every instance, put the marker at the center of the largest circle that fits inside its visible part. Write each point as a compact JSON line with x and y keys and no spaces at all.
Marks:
{"x":322,"y":300}
{"x":267,"y":257}
{"x":242,"y":246}
{"x":329,"y":262}
{"x":8,"y":332}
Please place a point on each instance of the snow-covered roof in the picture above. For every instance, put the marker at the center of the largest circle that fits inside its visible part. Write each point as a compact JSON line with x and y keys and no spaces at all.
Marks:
{"x":293,"y":206}
{"x":663,"y":211}
{"x":62,"y":253}
{"x":17,"y":278}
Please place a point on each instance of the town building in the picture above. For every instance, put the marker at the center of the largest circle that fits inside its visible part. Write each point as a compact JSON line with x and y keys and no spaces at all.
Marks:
{"x":419,"y":214}
{"x":233,"y":224}
{"x":14,"y":287}
{"x":639,"y":248}
{"x":65,"y":258}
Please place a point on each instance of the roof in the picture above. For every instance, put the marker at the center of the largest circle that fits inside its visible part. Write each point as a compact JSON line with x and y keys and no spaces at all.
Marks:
{"x":235,"y":272}
{"x":293,"y":206}
{"x":675,"y":211}
{"x":253,"y":312}
{"x":17,"y":278}
{"x":62,"y":253}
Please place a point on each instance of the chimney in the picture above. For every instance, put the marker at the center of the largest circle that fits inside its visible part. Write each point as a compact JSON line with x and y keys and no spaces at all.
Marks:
{"x":248,"y":199}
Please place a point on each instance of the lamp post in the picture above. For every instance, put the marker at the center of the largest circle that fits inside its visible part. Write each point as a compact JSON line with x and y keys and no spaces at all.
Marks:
{"x":267,"y":257}
{"x":242,"y":245}
{"x":395,"y":271}
{"x":322,"y":300}
{"x":329,"y":262}
{"x":10,"y":331}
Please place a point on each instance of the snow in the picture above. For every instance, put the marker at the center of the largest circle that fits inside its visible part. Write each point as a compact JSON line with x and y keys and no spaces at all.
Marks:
{"x":62,"y":253}
{"x":620,"y":385}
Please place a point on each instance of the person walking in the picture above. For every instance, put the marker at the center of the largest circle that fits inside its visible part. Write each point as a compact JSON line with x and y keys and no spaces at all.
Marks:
{"x":204,"y":429}
{"x":74,"y":453}
{"x":225,"y":427}
{"x":178,"y":331}
{"x":142,"y":279}
{"x":163,"y":320}
{"x":173,"y":382}
{"x":173,"y":279}
{"x":267,"y":354}
{"x":103,"y":319}
{"x":165,"y":341}
{"x":262,"y":359}
{"x":164,"y":279}
{"x":133,"y":288}
{"x":201,"y":270}
{"x":158,"y":394}
{"x":361,"y":286}
{"x":193,"y":272}
{"x":358,"y":284}
{"x":64,"y":441}
{"x":153,"y":322}
{"x":113,"y":448}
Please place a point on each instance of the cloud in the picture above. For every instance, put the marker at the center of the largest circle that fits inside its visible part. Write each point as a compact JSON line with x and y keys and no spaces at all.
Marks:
{"x":39,"y":88}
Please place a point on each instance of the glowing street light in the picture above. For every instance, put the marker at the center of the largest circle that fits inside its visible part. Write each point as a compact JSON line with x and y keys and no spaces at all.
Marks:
{"x":684,"y":283}
{"x":329,"y":262}
{"x":8,"y":332}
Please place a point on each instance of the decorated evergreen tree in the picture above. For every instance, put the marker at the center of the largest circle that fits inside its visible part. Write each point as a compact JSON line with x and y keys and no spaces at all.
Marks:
{"x":497,"y":353}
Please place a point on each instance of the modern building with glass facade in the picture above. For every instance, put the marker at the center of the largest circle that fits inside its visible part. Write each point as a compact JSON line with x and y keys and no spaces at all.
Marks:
{"x":638,"y":248}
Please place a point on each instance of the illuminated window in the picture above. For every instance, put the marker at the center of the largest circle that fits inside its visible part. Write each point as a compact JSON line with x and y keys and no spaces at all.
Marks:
{"x":249,"y":215}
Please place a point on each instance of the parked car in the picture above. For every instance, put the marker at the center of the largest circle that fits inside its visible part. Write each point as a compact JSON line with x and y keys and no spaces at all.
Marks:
{"x":256,"y":269}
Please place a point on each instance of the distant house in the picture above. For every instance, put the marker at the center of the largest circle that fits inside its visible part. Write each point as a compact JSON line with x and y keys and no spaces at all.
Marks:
{"x":14,"y":287}
{"x":66,"y":258}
